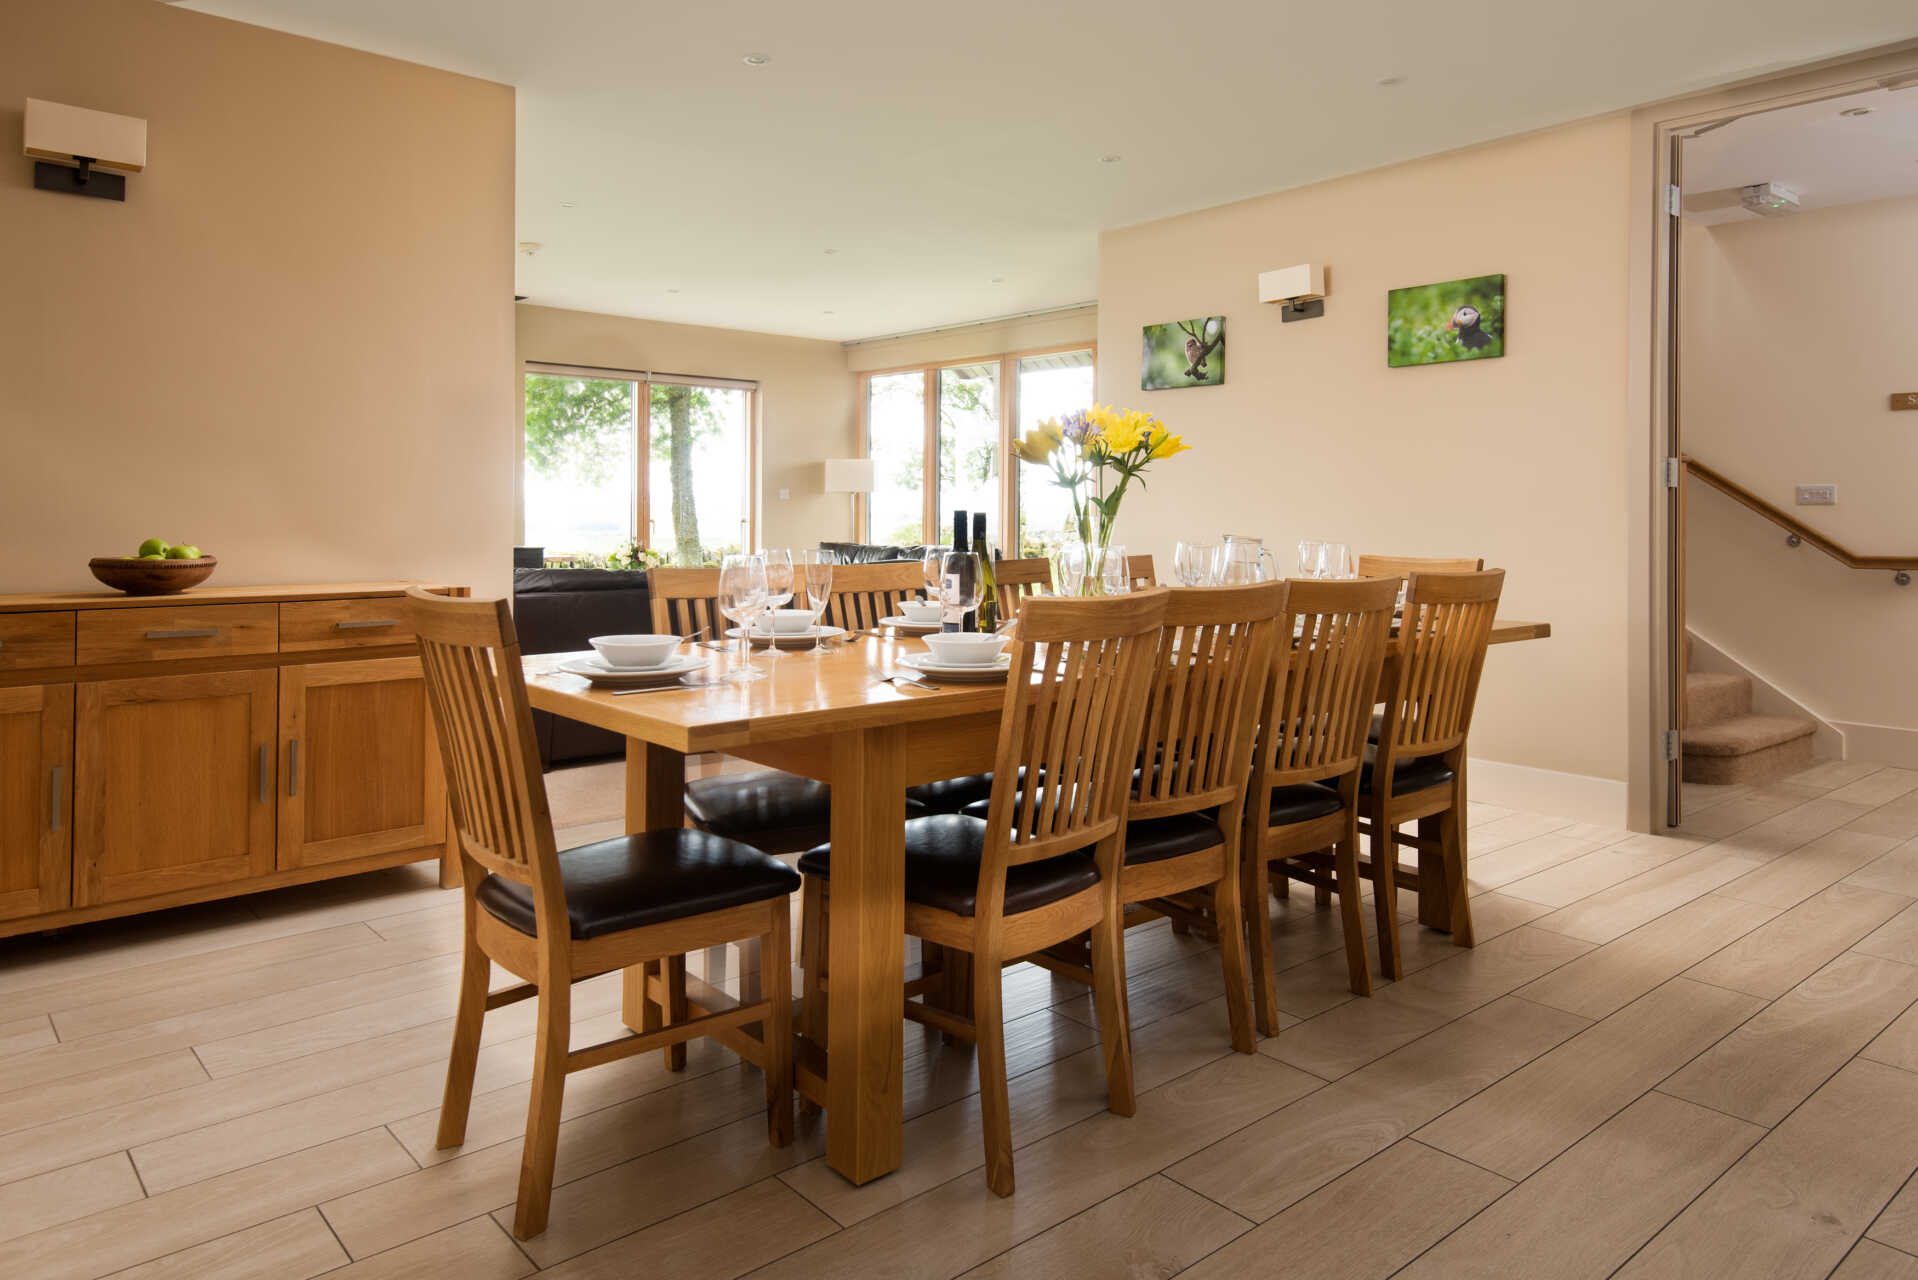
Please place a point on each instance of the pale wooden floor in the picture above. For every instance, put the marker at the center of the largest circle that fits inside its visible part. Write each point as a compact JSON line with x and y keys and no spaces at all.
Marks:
{"x":1689,"y":1056}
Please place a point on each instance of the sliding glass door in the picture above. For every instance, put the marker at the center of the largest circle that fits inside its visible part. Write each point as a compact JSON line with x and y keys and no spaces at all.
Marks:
{"x":699,"y":447}
{"x":896,"y":443}
{"x":580,"y":482}
{"x":969,"y":460}
{"x":1051,"y":385}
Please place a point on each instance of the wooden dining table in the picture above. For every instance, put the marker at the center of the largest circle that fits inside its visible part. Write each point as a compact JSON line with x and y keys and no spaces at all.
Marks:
{"x":831,"y":715}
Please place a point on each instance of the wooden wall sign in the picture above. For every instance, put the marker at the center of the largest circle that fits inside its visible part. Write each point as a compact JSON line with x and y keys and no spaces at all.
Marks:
{"x":1904,"y":399}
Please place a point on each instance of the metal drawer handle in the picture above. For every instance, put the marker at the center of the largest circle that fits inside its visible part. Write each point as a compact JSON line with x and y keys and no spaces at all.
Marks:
{"x":361,"y":624}
{"x":266,"y":764}
{"x":192,"y":633}
{"x":293,"y":767}
{"x":59,"y":772}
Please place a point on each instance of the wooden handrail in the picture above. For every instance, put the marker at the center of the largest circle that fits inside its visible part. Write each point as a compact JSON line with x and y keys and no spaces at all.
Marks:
{"x":1792,"y":524}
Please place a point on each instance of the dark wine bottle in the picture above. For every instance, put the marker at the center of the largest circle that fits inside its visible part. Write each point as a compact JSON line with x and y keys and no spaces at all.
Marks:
{"x":958,"y":575}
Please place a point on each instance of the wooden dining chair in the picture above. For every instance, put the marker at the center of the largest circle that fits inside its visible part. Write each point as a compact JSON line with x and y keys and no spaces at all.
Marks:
{"x":1302,"y":819}
{"x":1044,"y":865}
{"x":1020,"y":580}
{"x":553,"y":917}
{"x":1140,"y":573}
{"x":1413,"y":772}
{"x":685,"y":602}
{"x":862,"y":594}
{"x":1405,"y":566}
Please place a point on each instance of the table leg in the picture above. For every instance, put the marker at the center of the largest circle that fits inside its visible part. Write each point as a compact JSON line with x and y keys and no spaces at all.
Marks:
{"x":655,"y":800}
{"x":866,"y":953}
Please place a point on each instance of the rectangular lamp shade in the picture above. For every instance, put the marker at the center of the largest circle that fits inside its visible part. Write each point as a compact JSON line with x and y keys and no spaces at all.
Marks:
{"x":848,"y":475}
{"x":58,"y":134}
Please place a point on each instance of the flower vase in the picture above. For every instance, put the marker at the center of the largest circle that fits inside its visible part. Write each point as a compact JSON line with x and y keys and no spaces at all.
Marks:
{"x":1090,"y":569}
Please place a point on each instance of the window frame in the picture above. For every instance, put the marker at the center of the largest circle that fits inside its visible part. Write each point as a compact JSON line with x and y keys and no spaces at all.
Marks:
{"x":643,"y":436}
{"x":1008,"y":396}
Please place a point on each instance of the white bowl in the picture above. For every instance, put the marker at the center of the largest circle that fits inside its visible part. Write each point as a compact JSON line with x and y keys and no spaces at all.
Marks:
{"x":965,"y":648}
{"x":633,"y":653}
{"x":921,"y":612}
{"x":784,"y":622}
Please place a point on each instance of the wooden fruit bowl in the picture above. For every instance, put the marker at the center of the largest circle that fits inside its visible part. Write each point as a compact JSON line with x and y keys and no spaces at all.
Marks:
{"x":139,"y":577}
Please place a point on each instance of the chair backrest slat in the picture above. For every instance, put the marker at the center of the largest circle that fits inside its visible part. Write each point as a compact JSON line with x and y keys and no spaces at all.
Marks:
{"x":1406,"y":566}
{"x":1141,"y":573}
{"x":1319,"y":696}
{"x":470,"y":655}
{"x":1442,"y":641}
{"x":1071,"y":728}
{"x":1020,"y":580}
{"x":1205,"y":691}
{"x":685,"y":602}
{"x":862,"y":594}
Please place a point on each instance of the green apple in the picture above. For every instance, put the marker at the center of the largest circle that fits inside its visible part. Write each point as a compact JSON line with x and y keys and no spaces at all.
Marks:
{"x":187,"y":552}
{"x":149,"y":557}
{"x":151,"y":547}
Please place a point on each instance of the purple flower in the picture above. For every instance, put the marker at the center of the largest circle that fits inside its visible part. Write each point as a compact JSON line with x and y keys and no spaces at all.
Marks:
{"x":1076,"y":426}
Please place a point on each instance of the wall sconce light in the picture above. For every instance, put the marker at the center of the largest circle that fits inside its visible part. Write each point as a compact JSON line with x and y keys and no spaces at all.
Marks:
{"x":71,"y":145}
{"x":1299,"y":291}
{"x":852,"y":476}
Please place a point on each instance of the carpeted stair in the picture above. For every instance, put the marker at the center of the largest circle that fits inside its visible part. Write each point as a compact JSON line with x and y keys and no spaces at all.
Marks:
{"x":1724,"y":742}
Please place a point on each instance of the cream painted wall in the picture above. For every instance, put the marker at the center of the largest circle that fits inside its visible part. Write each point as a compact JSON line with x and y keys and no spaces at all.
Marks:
{"x":805,"y":400}
{"x":1029,"y":333}
{"x":292,"y":344}
{"x":1795,"y":331}
{"x":1523,"y":460}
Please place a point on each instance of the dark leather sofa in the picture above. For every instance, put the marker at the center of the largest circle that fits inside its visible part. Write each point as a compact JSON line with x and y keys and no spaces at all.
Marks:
{"x":555,"y":611}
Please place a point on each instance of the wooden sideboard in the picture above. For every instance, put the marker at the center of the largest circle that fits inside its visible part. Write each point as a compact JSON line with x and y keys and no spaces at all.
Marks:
{"x":162,"y":750}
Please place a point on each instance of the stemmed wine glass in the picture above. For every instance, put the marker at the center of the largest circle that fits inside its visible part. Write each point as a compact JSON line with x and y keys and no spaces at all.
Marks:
{"x":958,"y":583}
{"x":932,"y":570}
{"x":1192,"y":563}
{"x":1309,"y":549}
{"x":1113,"y":571}
{"x":818,"y":574}
{"x":742,"y":597}
{"x":1334,"y":560}
{"x":779,"y":593}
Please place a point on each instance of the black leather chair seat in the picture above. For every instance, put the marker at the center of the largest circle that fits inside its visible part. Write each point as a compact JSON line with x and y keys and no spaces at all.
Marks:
{"x":1417,"y":774}
{"x":1156,"y":839}
{"x":1301,"y":803}
{"x":942,"y":868}
{"x":742,"y":806}
{"x":632,"y":881}
{"x":951,"y":795}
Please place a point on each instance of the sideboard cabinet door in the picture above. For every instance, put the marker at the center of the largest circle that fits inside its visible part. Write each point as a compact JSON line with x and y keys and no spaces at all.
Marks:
{"x":174,"y":784}
{"x":359,"y":763}
{"x":36,"y":799}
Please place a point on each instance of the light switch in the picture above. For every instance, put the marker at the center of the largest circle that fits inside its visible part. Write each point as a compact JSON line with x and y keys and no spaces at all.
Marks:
{"x":1817,"y":495}
{"x":785,"y":494}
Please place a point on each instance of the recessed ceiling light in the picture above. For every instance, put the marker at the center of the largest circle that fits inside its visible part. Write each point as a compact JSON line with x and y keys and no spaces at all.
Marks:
{"x":998,"y":279}
{"x":1386,"y":82}
{"x":825,"y":313}
{"x":756,"y":59}
{"x":1855,"y":111}
{"x":569,"y":204}
{"x":1111,"y":157}
{"x":672,"y":291}
{"x":830,"y":252}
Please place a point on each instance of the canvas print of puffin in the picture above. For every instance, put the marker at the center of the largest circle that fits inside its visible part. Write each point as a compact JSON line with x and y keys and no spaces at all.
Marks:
{"x":1440,"y":323}
{"x":1187,"y":353}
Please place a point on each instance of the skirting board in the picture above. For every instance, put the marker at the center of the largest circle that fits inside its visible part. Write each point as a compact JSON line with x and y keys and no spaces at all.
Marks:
{"x":1577,"y":796}
{"x":1880,"y":743}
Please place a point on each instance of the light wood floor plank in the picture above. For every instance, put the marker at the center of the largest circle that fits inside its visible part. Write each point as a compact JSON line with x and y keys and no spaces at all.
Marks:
{"x":1894,"y":872}
{"x":34,"y":1204}
{"x":1584,"y":874}
{"x":1877,"y":788}
{"x":94,"y":1090}
{"x":1339,"y":1231}
{"x":477,"y":1250}
{"x":1897,"y":1226}
{"x":1796,"y":1202}
{"x":1603,"y":981}
{"x":1897,"y":1044}
{"x":296,"y":1247}
{"x":1896,"y":939}
{"x":1154,"y":1228}
{"x":22,"y":1034}
{"x":1899,"y":819}
{"x":722,"y":1238}
{"x":1795,"y":828}
{"x":1786,"y":882}
{"x":1612,"y":913}
{"x":1286,"y":1156}
{"x":1773,"y":958}
{"x":1517,"y":1125}
{"x":1585,"y":1213}
{"x":1768,"y":1066}
{"x":1869,"y":1260}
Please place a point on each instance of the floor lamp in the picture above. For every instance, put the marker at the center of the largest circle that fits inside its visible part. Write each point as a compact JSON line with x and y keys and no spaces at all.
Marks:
{"x":851,"y":476}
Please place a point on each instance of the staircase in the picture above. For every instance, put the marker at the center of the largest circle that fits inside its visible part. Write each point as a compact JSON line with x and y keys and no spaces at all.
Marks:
{"x":1724,"y":742}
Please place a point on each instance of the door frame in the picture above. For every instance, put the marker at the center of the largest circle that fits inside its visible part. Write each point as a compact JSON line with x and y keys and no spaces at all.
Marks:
{"x":1655,"y":604}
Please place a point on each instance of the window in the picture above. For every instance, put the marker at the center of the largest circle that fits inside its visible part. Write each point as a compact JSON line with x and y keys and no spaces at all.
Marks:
{"x":969,"y":411}
{"x":588,"y":497}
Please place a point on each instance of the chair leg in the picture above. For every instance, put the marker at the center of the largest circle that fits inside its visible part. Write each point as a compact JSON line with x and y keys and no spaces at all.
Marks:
{"x":1238,"y":998}
{"x":1345,"y":856}
{"x":676,"y":1011}
{"x":1451,"y":837}
{"x":475,"y":975}
{"x":995,"y":1106}
{"x":1115,"y":1022}
{"x":1385,"y":899}
{"x":542,"y":1114}
{"x":1258,"y":934}
{"x":812,"y":960}
{"x":775,"y":981}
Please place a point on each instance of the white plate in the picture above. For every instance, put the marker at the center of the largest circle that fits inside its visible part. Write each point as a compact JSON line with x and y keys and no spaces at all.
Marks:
{"x":902,"y":623}
{"x":787,"y":639}
{"x":599,"y":673}
{"x":983,"y":672}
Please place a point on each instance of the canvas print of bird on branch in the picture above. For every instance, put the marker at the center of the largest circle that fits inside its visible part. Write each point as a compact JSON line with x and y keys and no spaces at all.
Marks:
{"x":1187,"y":353}
{"x":1440,"y":323}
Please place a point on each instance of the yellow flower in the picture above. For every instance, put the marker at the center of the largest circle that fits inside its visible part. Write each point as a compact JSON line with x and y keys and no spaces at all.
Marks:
{"x":1040,"y":443}
{"x":1167,"y":445}
{"x":1120,"y":430}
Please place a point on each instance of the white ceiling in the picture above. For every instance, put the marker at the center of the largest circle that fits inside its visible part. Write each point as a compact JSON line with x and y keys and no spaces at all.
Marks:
{"x":949,"y":155}
{"x":1827,"y":157}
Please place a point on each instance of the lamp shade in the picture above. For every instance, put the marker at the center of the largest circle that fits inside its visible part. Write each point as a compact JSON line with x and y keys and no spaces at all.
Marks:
{"x":848,"y":475}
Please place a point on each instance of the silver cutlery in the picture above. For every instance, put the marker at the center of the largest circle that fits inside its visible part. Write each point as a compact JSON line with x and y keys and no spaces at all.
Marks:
{"x":662,"y":688}
{"x":897,"y":680}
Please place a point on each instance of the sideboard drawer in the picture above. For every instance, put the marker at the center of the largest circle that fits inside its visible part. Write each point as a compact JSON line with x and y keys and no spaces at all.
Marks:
{"x":344,"y":624}
{"x":35,"y":640}
{"x":178,"y":631}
